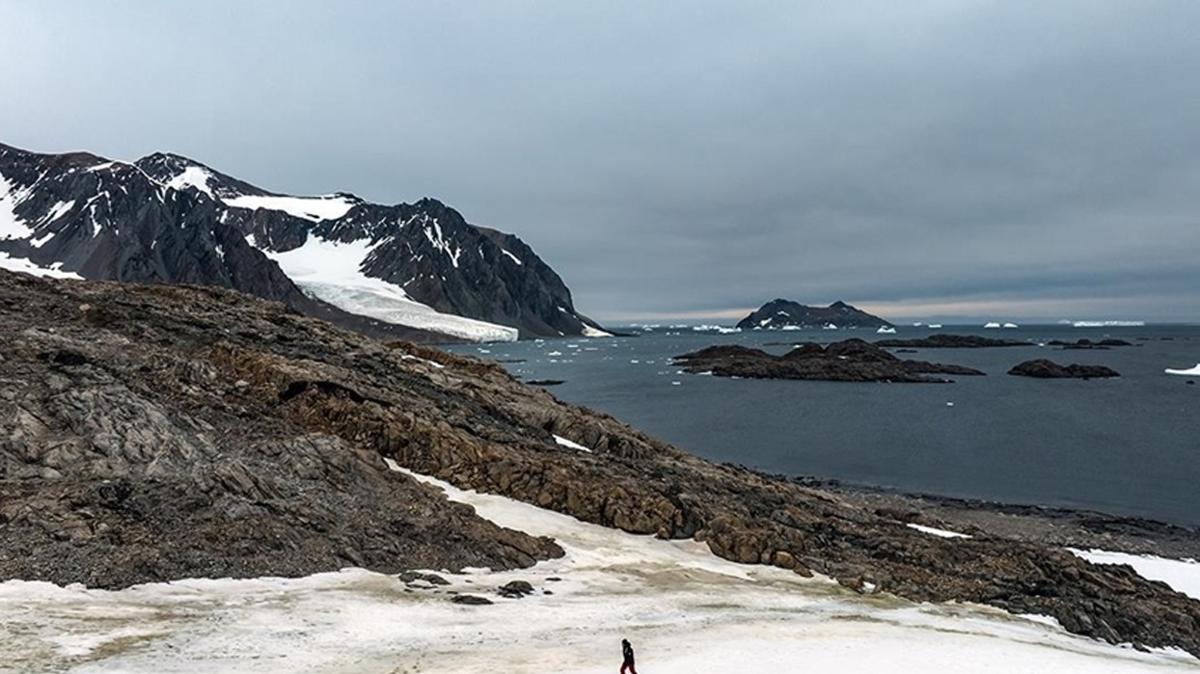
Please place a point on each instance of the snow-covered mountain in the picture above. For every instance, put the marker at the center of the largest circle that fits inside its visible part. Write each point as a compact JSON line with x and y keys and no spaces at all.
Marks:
{"x":417,"y":271}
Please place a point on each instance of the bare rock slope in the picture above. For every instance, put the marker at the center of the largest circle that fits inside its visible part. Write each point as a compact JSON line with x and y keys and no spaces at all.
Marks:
{"x":154,"y":432}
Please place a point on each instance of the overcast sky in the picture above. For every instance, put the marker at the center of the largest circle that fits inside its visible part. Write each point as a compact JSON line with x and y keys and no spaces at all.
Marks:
{"x":1006,"y":159}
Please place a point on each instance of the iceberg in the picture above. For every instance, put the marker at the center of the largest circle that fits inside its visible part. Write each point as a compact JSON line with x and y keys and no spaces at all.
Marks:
{"x":885,"y":330}
{"x":1011,"y":325}
{"x":715,"y":328}
{"x":1193,"y":372}
{"x":991,"y":325}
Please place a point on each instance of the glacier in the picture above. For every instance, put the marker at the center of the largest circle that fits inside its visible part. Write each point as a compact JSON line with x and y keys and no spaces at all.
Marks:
{"x":330,"y":271}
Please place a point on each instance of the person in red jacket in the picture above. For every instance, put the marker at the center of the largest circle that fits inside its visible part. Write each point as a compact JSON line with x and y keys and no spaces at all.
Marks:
{"x":627,"y":654}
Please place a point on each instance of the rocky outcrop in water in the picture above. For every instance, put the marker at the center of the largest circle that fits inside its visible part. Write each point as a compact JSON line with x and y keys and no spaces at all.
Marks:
{"x":156,"y":432}
{"x":849,"y":360}
{"x":950,"y":342}
{"x":781,"y":314}
{"x":1089,"y":344}
{"x":1047,"y":369}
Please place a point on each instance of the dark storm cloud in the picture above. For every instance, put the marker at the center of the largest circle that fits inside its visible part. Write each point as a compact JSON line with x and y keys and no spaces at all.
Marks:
{"x":934,"y":158}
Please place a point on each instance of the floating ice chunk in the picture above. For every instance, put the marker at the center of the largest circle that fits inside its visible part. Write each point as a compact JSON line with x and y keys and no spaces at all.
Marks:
{"x":1192,"y":372}
{"x":1108,"y":324}
{"x":990,"y":325}
{"x":1010,"y":326}
{"x":885,"y":330}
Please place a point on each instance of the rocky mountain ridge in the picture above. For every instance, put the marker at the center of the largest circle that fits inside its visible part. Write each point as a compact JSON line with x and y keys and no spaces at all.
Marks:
{"x":417,"y":271}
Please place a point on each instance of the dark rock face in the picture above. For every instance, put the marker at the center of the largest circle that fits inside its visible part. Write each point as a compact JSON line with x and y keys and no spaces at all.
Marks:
{"x":1046,"y":369}
{"x":127,"y":456}
{"x":168,"y":219}
{"x":146,"y":439}
{"x":780,"y":313}
{"x":850,"y":360}
{"x":950,"y":342}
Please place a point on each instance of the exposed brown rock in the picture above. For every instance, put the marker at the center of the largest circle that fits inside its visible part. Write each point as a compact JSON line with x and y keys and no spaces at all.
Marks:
{"x":144,"y":460}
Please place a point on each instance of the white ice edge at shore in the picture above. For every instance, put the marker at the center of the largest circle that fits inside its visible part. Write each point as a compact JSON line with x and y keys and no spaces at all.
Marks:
{"x":685,"y":609}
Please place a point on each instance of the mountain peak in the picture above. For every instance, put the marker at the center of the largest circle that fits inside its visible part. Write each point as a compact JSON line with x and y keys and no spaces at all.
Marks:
{"x":168,"y":218}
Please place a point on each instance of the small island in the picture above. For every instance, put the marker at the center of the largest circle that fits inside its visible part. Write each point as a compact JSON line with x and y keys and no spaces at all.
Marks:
{"x":852,"y":360}
{"x":1088,"y":344}
{"x":950,"y":342}
{"x":1047,"y":369}
{"x":781,"y":314}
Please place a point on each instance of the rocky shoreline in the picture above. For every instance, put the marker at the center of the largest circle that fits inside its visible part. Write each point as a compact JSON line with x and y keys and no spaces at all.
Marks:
{"x":159,"y":432}
{"x":1064,"y":527}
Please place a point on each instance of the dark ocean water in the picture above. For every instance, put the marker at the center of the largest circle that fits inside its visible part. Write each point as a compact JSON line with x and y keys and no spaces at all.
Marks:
{"x":1126,"y":446}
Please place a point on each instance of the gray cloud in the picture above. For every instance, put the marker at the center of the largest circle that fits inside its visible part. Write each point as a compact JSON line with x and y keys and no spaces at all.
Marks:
{"x":1041,"y":159}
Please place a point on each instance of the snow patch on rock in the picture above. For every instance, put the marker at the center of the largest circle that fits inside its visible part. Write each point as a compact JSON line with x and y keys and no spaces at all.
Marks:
{"x":11,"y":227}
{"x":309,"y":208}
{"x":1183,"y":575}
{"x":684,"y":609}
{"x":25,"y":266}
{"x":933,"y":531}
